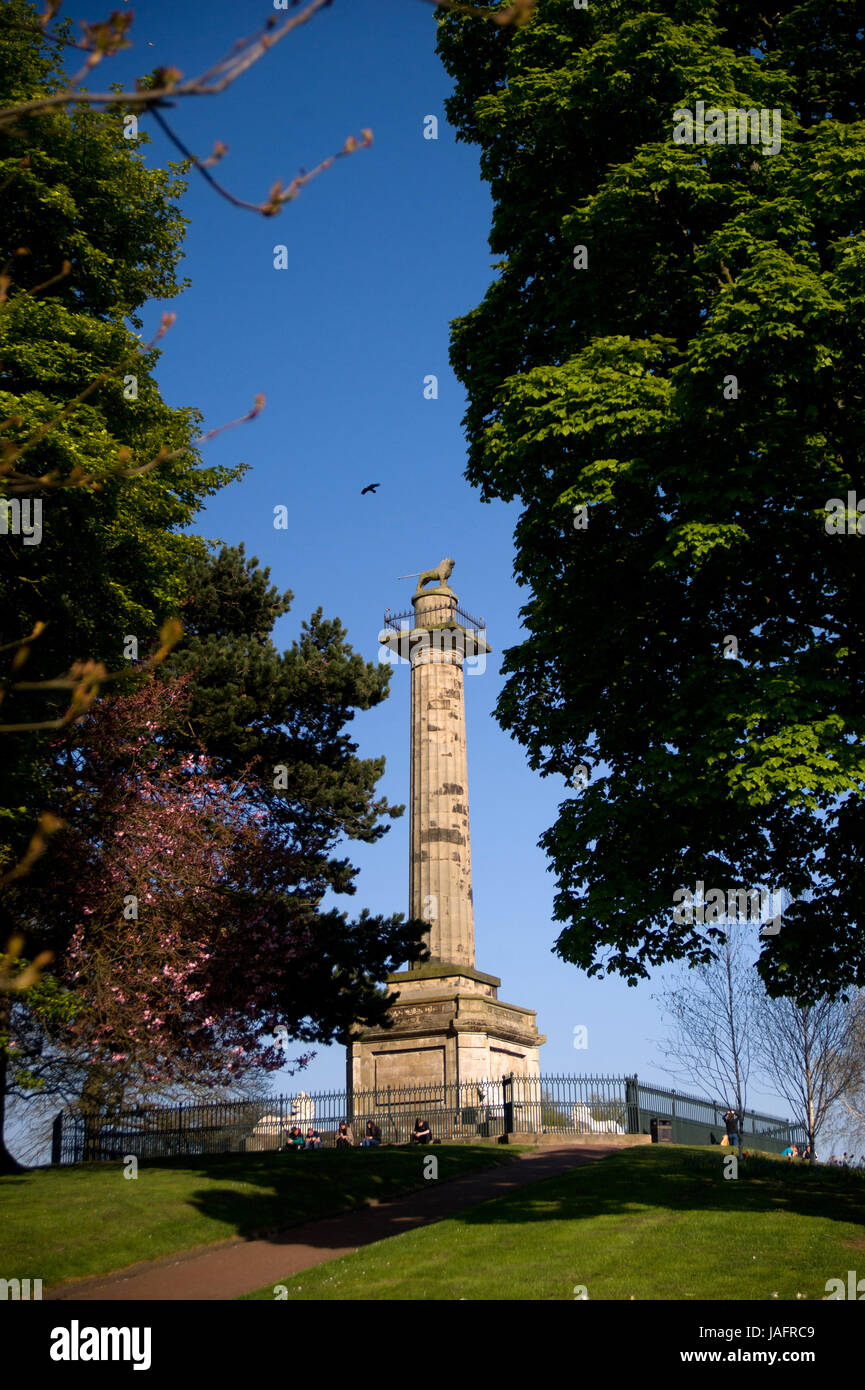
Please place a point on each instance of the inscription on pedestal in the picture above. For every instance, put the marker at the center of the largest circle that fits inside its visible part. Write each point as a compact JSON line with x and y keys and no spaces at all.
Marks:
{"x":413,"y":1010}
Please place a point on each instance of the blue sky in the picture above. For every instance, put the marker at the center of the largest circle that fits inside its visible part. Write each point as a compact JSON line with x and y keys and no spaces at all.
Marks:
{"x":384,"y":250}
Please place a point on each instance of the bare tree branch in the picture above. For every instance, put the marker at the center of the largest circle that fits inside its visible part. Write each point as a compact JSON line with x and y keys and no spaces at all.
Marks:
{"x":109,"y":37}
{"x":12,"y":452}
{"x":85,"y":680}
{"x":12,"y":980}
{"x":712,"y":1009}
{"x":244,"y":55}
{"x":806,"y":1050}
{"x":278,"y":195}
{"x":210,"y":83}
{"x":17,"y":482}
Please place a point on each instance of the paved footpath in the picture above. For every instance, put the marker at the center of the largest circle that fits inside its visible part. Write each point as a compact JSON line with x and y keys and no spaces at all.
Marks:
{"x":238,"y":1266}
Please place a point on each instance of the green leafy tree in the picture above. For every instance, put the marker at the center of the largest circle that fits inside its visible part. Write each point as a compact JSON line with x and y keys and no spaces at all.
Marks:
{"x":271,"y":725}
{"x":185,"y":913}
{"x":283,"y":712}
{"x":667,"y":373}
{"x":87,"y":234}
{"x":282,"y":716}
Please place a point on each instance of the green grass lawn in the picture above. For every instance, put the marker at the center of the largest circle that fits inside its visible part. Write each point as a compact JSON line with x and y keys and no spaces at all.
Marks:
{"x":648,"y":1223}
{"x":63,"y":1223}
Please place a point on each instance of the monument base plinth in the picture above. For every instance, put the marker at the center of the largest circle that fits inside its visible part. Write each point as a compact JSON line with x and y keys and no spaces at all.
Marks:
{"x":449,"y":1029}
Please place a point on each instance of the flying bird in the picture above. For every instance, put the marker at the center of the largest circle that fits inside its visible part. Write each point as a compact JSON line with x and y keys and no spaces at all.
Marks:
{"x":370,"y":487}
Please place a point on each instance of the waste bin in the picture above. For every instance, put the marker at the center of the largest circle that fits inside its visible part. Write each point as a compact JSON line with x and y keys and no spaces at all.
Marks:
{"x":661,"y":1131}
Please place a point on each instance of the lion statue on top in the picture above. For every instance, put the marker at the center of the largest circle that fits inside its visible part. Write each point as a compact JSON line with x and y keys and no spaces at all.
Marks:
{"x":441,"y":574}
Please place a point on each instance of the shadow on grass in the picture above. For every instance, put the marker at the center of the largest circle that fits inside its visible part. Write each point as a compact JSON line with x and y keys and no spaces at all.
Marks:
{"x":580,"y":1187}
{"x":310,"y":1187}
{"x":685,"y":1180}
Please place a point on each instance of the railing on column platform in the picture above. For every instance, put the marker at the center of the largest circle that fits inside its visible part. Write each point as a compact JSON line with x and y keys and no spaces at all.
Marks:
{"x":404,"y":622}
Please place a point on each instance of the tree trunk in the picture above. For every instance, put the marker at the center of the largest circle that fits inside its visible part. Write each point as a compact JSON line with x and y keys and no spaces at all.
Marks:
{"x":91,"y":1112}
{"x":101,"y":1098}
{"x":809,"y":1089}
{"x":8,"y":1164}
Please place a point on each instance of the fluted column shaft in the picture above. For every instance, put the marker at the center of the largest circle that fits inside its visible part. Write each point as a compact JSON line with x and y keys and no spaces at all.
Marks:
{"x":440,"y":869}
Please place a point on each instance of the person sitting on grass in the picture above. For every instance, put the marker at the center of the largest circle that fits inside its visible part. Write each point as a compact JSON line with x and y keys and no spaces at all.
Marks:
{"x":421,"y":1134}
{"x":372,"y":1138}
{"x":294,"y":1140}
{"x":344,"y":1136}
{"x":313,"y":1139}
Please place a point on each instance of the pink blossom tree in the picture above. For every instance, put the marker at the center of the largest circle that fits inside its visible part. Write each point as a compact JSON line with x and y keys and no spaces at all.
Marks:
{"x":185,"y":917}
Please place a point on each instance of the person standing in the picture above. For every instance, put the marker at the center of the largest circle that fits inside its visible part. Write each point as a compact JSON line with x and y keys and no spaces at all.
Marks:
{"x":731,"y":1124}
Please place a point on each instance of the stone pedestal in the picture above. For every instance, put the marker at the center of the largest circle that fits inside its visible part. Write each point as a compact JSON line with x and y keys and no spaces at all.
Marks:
{"x":450,"y":1029}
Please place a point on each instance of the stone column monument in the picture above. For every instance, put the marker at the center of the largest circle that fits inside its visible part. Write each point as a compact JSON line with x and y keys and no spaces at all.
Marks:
{"x":440,"y":868}
{"x":449,"y":1024}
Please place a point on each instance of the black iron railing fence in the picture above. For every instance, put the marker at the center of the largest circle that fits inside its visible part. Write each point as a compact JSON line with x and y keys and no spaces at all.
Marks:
{"x":405,"y":622}
{"x":692,"y":1116}
{"x":471,"y":1111}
